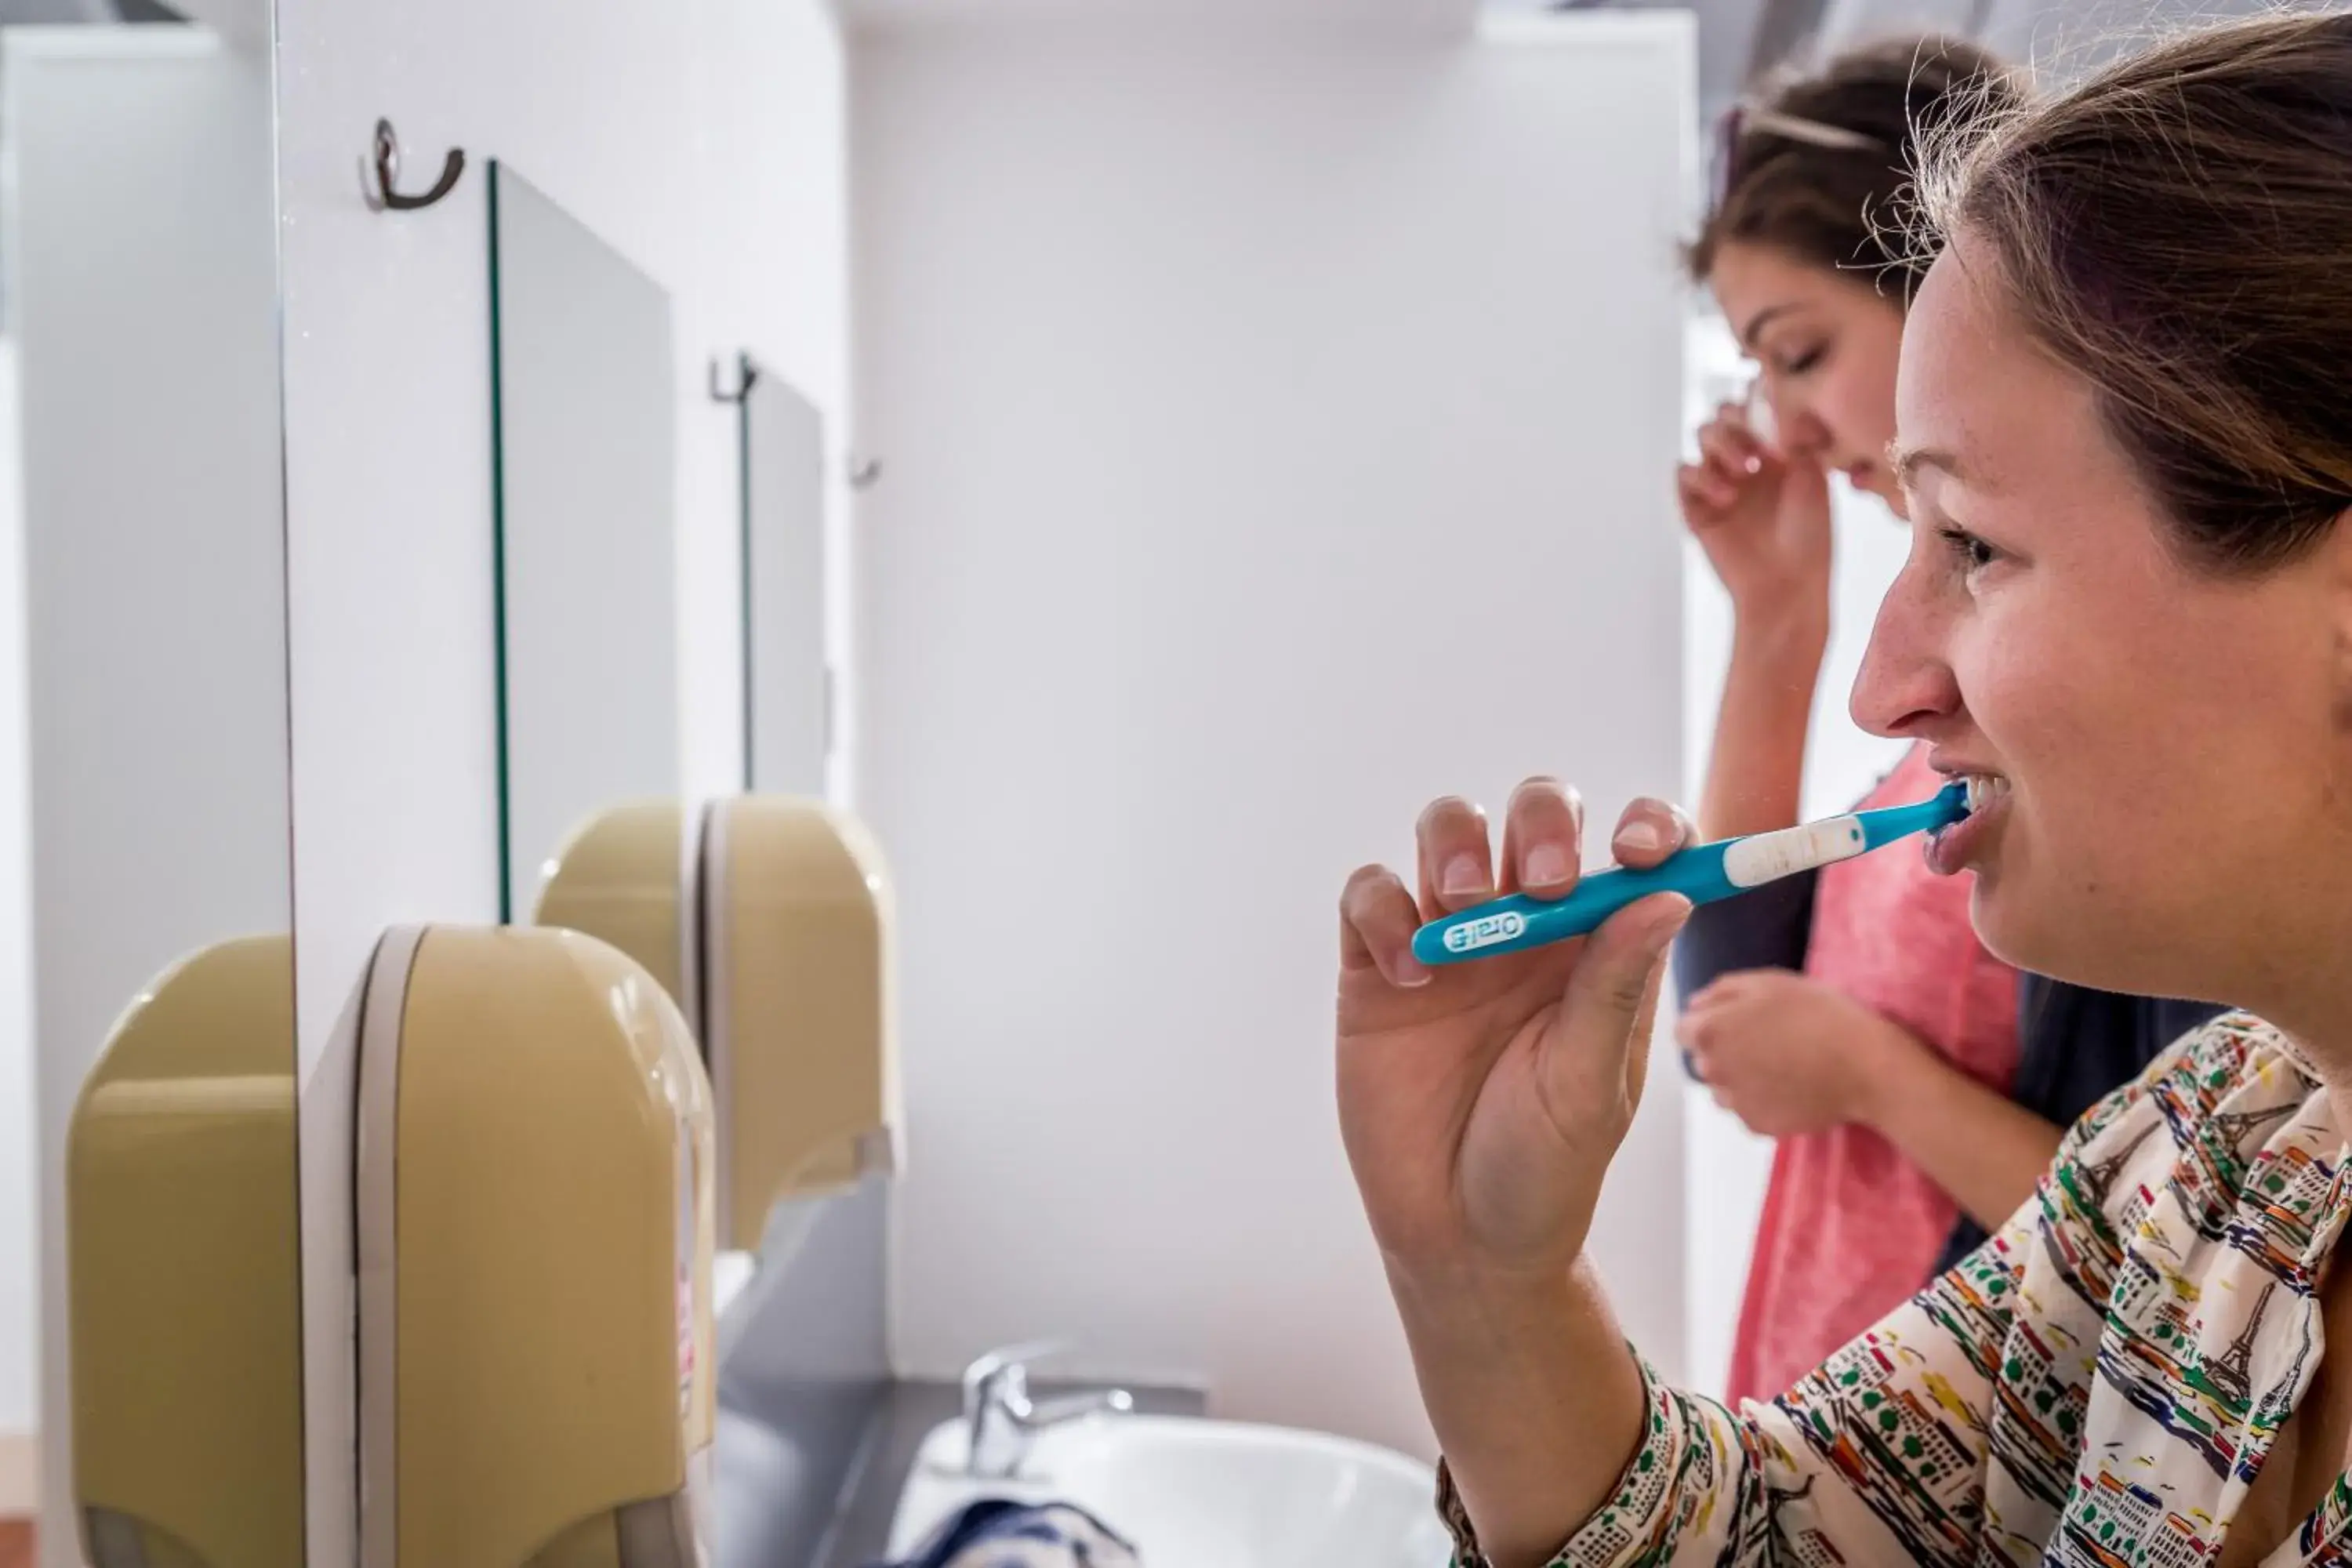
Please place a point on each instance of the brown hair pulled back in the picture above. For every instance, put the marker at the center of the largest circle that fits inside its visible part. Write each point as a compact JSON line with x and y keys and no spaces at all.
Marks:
{"x":2178,"y":228}
{"x":1830,"y":206}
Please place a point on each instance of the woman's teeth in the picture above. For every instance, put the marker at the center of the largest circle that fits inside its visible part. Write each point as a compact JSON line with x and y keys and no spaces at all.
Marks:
{"x":1984,"y":789}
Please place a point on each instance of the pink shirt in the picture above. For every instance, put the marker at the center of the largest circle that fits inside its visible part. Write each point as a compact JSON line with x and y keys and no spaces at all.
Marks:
{"x":1850,"y":1226}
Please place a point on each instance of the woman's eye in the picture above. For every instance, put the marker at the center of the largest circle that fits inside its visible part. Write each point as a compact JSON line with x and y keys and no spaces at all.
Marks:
{"x":1797,"y":364}
{"x":1973,"y":553}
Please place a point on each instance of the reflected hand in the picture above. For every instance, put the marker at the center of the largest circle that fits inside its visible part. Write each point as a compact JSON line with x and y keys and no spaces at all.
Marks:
{"x":1761,"y":515}
{"x":1482,"y":1102}
{"x":1785,"y":1053}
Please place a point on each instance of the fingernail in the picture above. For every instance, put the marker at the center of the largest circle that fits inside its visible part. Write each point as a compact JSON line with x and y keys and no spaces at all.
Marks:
{"x":1409,"y":972}
{"x":1641,"y":837}
{"x":1547,"y":866}
{"x":1755,"y":465}
{"x":1463,"y":877}
{"x":1670,"y":925}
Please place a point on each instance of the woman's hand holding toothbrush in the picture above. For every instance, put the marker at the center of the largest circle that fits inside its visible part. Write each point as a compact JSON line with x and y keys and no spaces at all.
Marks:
{"x":1481,"y":1105}
{"x":1483,"y":1102}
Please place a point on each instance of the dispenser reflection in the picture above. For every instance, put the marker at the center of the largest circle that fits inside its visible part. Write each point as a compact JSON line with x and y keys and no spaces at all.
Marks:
{"x":184,"y":1279}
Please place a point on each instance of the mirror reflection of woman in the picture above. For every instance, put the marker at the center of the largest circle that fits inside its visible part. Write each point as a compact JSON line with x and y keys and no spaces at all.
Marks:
{"x":2124,"y":411}
{"x":1916,"y":1087}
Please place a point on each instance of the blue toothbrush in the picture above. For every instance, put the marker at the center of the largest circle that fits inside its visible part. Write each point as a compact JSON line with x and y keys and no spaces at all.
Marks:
{"x":1701,"y":873}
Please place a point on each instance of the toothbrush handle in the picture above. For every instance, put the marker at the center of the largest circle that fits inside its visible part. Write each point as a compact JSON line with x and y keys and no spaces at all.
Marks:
{"x":1701,"y":873}
{"x":1517,"y":923}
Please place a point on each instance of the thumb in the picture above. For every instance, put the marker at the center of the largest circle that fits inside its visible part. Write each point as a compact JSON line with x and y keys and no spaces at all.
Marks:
{"x":1611,"y":995}
{"x":1804,"y":476}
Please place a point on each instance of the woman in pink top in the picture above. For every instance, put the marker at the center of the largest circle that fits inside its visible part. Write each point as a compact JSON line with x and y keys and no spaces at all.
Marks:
{"x":1852,"y":1221}
{"x":1883,"y":1066}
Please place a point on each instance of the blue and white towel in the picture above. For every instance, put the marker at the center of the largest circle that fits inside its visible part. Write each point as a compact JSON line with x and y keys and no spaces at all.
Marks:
{"x":998,"y":1533}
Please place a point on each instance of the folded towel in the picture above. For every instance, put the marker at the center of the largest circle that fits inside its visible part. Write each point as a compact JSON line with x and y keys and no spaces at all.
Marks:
{"x":998,"y":1533}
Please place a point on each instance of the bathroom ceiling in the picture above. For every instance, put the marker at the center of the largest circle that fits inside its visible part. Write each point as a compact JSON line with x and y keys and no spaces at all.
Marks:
{"x":1742,"y":39}
{"x":68,"y":13}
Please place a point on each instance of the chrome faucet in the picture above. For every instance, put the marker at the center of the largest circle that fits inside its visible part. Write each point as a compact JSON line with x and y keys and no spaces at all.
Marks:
{"x":1004,"y":1420}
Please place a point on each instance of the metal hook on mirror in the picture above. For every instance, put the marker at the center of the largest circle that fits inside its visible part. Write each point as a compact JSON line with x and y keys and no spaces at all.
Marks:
{"x":380,"y":175}
{"x":746,"y":373}
{"x":864,"y":472}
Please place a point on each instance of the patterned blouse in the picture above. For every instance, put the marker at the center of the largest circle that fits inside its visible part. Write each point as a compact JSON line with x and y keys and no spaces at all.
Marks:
{"x":2095,"y":1387}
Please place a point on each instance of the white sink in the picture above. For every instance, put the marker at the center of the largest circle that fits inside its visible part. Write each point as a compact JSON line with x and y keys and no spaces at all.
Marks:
{"x":1202,"y":1494}
{"x":729,"y":1272}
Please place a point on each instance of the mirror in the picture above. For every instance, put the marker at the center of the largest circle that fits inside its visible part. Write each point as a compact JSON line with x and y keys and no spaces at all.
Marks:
{"x":583,"y":403}
{"x":144,"y":818}
{"x":787,"y":684}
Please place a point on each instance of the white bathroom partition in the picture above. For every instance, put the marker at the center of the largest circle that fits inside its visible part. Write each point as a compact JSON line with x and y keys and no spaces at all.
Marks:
{"x":20,"y":1275}
{"x":704,"y":139}
{"x":1278,"y":431}
{"x":141,"y":251}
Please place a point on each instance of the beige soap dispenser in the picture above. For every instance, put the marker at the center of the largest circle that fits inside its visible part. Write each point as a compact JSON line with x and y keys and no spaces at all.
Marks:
{"x":617,"y":880}
{"x":535,"y":1223}
{"x":799,"y":1024}
{"x":183,"y":1273}
{"x":787,"y":966}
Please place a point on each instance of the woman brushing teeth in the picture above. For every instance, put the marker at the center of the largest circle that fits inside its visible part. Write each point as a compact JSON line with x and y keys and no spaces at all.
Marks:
{"x":1916,"y":1085}
{"x":2126,"y":451}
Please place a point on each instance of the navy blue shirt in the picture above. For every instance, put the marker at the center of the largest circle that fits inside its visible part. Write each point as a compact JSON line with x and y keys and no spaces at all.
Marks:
{"x":2074,"y":1046}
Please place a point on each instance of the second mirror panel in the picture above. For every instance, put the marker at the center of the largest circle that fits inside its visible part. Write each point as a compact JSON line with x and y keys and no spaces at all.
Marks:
{"x":787,"y":686}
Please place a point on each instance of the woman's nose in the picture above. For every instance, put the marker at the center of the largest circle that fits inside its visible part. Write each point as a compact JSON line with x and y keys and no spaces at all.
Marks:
{"x":1905,"y":683}
{"x":1780,"y":414}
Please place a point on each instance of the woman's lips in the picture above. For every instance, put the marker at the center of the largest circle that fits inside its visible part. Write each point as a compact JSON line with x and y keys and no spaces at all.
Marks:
{"x":1959,"y":847}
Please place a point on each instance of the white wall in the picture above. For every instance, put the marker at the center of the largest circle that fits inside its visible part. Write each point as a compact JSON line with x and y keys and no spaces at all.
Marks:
{"x":703,"y":139}
{"x":1278,"y":433}
{"x":1727,"y":1167}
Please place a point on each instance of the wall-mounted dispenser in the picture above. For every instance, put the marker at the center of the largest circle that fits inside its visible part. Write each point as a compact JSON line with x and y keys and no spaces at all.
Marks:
{"x":185,"y":1273}
{"x":788,"y":953}
{"x":798,"y":1004}
{"x":618,"y":880}
{"x":535,"y":1220}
